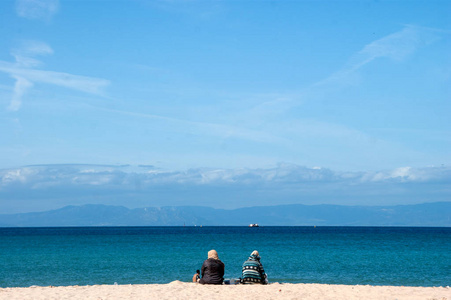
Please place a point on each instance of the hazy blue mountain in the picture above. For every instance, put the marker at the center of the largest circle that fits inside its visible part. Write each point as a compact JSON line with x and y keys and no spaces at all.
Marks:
{"x":428,"y":214}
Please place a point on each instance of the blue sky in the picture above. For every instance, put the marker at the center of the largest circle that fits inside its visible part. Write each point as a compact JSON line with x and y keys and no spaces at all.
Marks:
{"x":351,"y":87}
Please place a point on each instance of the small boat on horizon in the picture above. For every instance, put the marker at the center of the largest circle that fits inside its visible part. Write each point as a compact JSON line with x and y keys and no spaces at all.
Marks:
{"x":254,"y":225}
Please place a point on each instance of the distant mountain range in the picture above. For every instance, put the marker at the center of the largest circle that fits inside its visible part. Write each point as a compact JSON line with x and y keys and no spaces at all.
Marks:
{"x":428,"y":214}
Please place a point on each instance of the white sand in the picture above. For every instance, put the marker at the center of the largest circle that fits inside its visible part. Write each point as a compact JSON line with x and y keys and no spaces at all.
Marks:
{"x":181,"y":290}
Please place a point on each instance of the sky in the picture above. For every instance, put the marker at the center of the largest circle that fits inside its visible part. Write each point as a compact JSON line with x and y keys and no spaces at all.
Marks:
{"x":224,"y":103}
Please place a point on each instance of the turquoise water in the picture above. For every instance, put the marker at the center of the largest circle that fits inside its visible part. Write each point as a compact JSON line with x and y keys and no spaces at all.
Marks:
{"x":136,"y":255}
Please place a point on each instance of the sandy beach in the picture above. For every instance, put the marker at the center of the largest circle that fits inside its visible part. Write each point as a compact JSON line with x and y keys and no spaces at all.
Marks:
{"x":182,"y":290}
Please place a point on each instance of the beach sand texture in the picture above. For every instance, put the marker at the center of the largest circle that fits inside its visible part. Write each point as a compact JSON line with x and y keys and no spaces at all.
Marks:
{"x":182,"y":290}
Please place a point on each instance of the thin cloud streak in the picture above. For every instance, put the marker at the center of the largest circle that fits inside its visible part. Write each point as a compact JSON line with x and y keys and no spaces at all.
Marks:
{"x":37,"y":9}
{"x":221,"y":130}
{"x":28,"y":49}
{"x":26,"y":77}
{"x":397,"y":46}
{"x":85,"y":84}
{"x":25,"y":74}
{"x":20,"y":87}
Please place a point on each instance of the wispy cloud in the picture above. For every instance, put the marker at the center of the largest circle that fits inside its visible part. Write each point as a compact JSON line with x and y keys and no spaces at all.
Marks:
{"x":21,"y":86}
{"x":37,"y":9}
{"x":194,"y":8}
{"x":216,"y":129}
{"x":81,"y":83}
{"x":397,"y":46}
{"x":25,"y":53}
{"x":25,"y":73}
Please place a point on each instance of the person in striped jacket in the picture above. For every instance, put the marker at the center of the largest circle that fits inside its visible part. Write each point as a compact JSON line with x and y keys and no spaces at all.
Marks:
{"x":253,"y":272}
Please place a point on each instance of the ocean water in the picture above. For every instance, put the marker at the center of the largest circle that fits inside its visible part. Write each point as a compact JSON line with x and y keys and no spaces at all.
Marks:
{"x":145,"y":255}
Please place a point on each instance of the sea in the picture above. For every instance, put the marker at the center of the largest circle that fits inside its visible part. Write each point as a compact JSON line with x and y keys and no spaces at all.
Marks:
{"x":62,"y":256}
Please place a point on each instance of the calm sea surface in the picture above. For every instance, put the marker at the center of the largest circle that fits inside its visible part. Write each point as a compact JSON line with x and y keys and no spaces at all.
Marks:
{"x":138,"y":255}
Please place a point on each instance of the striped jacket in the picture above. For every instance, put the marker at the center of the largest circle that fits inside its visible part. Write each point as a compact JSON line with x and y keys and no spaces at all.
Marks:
{"x":253,"y":271}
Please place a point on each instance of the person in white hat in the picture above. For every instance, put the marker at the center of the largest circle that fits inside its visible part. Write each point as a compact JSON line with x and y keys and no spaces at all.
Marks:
{"x":253,"y":272}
